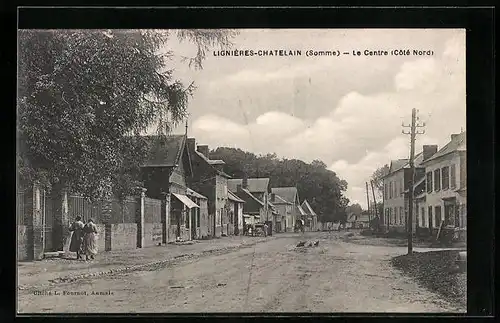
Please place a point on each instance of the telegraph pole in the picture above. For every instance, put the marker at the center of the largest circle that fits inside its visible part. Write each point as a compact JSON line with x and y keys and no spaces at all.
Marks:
{"x":375,"y":206}
{"x":413,"y":132}
{"x":367,"y":202}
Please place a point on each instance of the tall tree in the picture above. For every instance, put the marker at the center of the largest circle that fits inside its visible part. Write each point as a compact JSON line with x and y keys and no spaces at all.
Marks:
{"x":81,"y":94}
{"x":378,"y":182}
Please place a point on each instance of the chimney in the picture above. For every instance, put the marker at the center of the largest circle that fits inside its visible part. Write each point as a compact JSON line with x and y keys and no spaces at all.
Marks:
{"x":238,"y":188}
{"x":244,"y":182}
{"x":191,"y":143}
{"x":273,"y":196}
{"x":429,"y":150}
{"x":454,"y":136}
{"x":203,"y":149}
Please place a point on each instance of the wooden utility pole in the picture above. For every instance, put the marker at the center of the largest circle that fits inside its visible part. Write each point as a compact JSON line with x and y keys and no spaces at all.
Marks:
{"x":375,"y":206}
{"x":412,"y":134}
{"x":368,"y":203}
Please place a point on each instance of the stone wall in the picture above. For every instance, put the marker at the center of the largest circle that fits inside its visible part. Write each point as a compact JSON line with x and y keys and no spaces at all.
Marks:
{"x":152,"y":234}
{"x":124,"y":236}
{"x":22,"y":242}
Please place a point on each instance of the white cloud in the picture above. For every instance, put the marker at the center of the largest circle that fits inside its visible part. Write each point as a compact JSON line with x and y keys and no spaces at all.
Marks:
{"x":362,"y":130}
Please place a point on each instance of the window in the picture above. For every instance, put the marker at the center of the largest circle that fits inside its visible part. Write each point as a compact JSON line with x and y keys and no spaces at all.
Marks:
{"x":429,"y":182}
{"x":437,"y":214}
{"x":453,"y":176}
{"x":400,"y":215}
{"x":402,"y":185}
{"x":395,"y":215}
{"x":445,"y":177}
{"x":390,"y":190}
{"x":423,"y":216}
{"x":198,"y":217}
{"x":396,"y":190}
{"x":386,"y":191}
{"x":437,"y":180}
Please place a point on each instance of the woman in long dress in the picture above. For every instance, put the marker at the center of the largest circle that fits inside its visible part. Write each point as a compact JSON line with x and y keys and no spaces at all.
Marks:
{"x":77,"y":236}
{"x":90,"y":240}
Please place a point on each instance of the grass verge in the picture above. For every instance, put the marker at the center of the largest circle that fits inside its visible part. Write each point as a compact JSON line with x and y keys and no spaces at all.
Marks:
{"x":436,"y":271}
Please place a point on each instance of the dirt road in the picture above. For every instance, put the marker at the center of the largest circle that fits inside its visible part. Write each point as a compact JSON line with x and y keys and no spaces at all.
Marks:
{"x":273,"y":276}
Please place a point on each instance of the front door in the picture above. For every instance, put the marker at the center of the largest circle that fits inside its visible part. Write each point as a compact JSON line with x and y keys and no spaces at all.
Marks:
{"x":236,"y":219}
{"x":449,"y":214}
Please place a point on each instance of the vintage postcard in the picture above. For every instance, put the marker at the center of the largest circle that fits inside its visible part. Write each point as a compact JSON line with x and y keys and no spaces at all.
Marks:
{"x":244,"y":171}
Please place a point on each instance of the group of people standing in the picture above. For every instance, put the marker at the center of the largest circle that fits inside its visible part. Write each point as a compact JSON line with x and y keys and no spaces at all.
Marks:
{"x":83,"y":239}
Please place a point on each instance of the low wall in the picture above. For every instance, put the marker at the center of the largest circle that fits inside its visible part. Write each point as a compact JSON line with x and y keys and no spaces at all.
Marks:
{"x":218,"y":231}
{"x":22,"y":242}
{"x":101,"y":237}
{"x":123,"y":236}
{"x":152,"y":234}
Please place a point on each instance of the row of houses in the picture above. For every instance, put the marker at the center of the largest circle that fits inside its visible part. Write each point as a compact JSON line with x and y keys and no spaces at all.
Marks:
{"x":231,"y":202}
{"x":186,"y":195}
{"x":440,"y":189}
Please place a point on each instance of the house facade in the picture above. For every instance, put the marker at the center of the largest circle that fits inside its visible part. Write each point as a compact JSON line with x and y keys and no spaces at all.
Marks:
{"x":167,"y":173}
{"x":235,"y":213}
{"x":260,"y":189}
{"x":396,"y":184}
{"x":210,"y":180}
{"x":311,"y":218}
{"x":285,"y":199}
{"x":361,"y":221}
{"x":199,"y":215}
{"x":253,"y":208}
{"x":446,"y":186}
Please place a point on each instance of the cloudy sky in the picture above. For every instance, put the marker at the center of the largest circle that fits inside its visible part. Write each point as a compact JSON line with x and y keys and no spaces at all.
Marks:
{"x":346,"y":111}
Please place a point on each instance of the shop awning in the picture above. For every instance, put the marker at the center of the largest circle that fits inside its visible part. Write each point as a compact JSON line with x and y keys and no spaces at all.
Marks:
{"x":247,"y":216}
{"x":185,"y":200}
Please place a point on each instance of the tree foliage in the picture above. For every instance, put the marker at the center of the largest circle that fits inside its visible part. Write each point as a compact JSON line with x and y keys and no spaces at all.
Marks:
{"x":377,"y":176}
{"x":83,"y":96}
{"x":321,"y":187}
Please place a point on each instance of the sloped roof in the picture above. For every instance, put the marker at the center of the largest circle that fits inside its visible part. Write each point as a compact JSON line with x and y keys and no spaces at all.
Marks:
{"x":247,"y":192}
{"x":164,"y":151}
{"x":301,"y":210}
{"x":212,"y":162}
{"x":308,"y":208}
{"x":255,"y":185}
{"x":234,"y":198}
{"x":286,"y":193}
{"x":457,"y":143}
{"x":397,"y":164}
{"x":279,"y":200}
{"x":190,"y":192}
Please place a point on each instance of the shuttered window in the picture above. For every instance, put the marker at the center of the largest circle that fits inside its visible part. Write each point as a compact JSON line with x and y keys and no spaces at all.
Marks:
{"x":453,"y":177}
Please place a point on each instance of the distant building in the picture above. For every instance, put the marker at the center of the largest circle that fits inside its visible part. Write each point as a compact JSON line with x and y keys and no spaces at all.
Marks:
{"x":260,"y":189}
{"x":396,"y":183}
{"x":358,"y":221}
{"x":286,"y":200}
{"x":311,"y":218}
{"x":253,"y":208}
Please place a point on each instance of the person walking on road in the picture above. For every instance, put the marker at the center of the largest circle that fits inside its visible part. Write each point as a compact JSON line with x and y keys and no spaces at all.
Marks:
{"x":265,"y":229}
{"x":90,"y":240}
{"x":76,"y":237}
